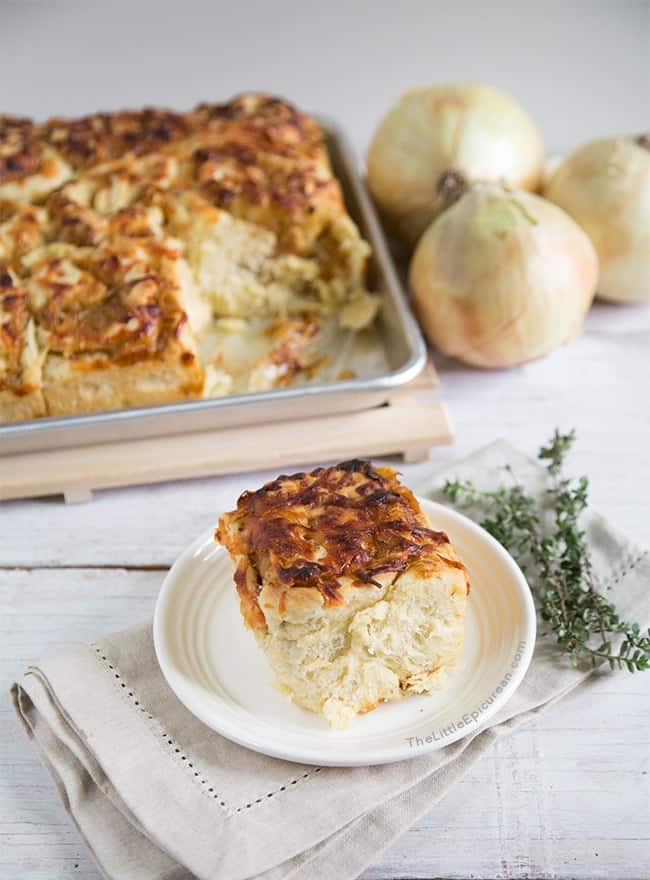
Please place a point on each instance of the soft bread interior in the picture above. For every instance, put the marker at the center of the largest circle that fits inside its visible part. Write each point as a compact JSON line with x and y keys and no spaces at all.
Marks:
{"x":382,"y":644}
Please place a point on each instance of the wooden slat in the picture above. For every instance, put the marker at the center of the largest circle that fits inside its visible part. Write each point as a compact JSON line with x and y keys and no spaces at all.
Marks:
{"x":405,"y":427}
{"x":410,"y":429}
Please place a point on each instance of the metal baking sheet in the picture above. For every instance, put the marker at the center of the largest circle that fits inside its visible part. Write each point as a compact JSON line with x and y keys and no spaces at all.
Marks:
{"x":399,"y":336}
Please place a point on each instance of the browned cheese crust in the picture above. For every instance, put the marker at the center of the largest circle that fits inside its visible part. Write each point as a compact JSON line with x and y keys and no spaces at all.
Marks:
{"x":326,"y":532}
{"x":77,"y":195}
{"x":20,"y":370}
{"x":116,"y":299}
{"x":256,"y":156}
{"x":263,"y":160}
{"x":21,"y":152}
{"x":14,"y":318}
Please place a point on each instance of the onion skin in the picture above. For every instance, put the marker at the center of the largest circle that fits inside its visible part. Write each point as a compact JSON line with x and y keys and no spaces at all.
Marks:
{"x":502,"y":278}
{"x":475,"y":132}
{"x":605,"y":187}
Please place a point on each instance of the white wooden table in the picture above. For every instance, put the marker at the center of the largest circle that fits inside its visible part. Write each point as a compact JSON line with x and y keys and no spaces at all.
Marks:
{"x":568,"y":796}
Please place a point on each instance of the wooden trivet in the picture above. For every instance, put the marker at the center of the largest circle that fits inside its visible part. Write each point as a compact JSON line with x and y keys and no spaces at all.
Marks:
{"x":405,"y":426}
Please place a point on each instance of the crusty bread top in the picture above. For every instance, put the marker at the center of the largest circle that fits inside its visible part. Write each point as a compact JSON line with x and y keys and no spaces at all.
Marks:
{"x":264,"y":122}
{"x":113,"y":224}
{"x":255,"y":156}
{"x":336,"y":527}
{"x":21,"y":153}
{"x":120,"y":297}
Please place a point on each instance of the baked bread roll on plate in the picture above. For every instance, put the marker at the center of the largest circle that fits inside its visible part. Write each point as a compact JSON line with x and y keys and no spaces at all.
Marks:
{"x":352,"y":594}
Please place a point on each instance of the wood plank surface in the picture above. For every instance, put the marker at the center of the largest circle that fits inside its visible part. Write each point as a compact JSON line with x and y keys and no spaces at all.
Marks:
{"x":566,"y":796}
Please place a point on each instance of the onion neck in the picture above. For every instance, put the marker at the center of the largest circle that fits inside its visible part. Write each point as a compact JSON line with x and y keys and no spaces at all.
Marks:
{"x":643,"y":140}
{"x":450,"y":187}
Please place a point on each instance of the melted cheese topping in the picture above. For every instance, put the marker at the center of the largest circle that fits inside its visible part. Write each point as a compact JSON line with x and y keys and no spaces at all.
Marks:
{"x":348,"y":525}
{"x":134,"y":233}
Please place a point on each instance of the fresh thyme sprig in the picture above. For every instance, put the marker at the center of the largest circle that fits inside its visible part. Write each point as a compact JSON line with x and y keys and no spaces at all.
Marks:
{"x":557,"y":562}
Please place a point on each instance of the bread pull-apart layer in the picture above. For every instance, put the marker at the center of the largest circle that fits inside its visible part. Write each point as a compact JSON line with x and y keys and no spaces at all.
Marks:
{"x":112,"y":322}
{"x":136,"y":232}
{"x":354,"y":598}
{"x":21,"y":395}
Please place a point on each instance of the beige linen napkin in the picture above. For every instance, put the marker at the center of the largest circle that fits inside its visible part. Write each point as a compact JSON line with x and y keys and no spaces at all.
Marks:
{"x":156,"y":794}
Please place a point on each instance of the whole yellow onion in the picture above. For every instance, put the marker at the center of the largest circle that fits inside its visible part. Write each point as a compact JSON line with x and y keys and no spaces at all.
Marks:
{"x":605,"y":187}
{"x":436,"y":140}
{"x":502,"y":277}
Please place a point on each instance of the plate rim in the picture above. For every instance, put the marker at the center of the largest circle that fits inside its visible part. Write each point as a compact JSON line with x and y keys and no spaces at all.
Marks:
{"x":378,"y":754}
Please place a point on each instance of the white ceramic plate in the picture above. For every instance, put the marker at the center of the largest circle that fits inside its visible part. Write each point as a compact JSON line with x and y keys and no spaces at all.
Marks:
{"x":213,"y":664}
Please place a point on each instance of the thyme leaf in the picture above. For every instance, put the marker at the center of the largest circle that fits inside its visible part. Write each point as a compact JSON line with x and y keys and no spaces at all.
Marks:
{"x":552,"y":552}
